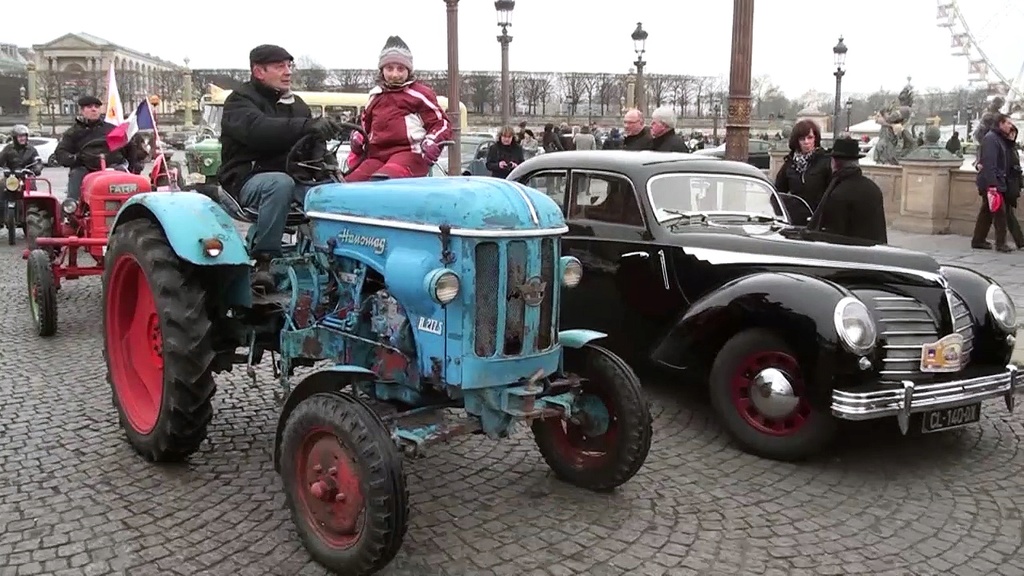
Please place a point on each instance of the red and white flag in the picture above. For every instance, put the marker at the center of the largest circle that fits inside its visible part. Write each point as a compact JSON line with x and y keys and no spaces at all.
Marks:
{"x":115,"y":110}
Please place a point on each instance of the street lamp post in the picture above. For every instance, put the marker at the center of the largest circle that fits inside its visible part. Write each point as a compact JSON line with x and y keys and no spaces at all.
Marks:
{"x":504,"y":8}
{"x":454,"y":82}
{"x":970,"y":118}
{"x":737,"y":124}
{"x":30,"y":98}
{"x":186,"y":93}
{"x":849,"y":112}
{"x":839,"y":52}
{"x":714,"y":126}
{"x":639,"y":37}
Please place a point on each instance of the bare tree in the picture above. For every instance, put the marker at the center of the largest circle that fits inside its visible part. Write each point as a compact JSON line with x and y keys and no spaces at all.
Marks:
{"x":481,"y":91}
{"x":762,"y":89}
{"x":49,"y":88}
{"x":535,"y":90}
{"x":310,"y":75}
{"x":354,"y":80}
{"x":574,"y":87}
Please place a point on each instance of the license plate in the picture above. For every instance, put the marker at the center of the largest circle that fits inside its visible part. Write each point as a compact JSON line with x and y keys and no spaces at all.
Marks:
{"x":195,"y":178}
{"x":943,"y":356}
{"x":948,"y":418}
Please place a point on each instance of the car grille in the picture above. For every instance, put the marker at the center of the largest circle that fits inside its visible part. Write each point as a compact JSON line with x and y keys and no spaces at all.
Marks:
{"x":905,"y":325}
{"x":501,"y":267}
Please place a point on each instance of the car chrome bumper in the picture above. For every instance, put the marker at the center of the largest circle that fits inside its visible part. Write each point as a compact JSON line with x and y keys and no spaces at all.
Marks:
{"x":910,"y":398}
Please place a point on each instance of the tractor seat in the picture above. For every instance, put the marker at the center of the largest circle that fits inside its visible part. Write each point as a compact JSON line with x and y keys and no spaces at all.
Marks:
{"x":248,"y":215}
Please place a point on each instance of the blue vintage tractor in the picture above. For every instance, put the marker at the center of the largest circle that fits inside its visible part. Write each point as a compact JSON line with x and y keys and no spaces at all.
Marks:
{"x":403,"y":300}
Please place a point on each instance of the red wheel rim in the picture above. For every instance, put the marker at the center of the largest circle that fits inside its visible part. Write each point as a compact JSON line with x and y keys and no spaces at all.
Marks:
{"x":743,"y":386}
{"x":134,"y":344}
{"x":579,"y":449}
{"x":329,"y":489}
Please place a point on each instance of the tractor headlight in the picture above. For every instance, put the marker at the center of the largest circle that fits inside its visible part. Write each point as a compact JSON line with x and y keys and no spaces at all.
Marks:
{"x":12,"y":183}
{"x":442,"y":285}
{"x":69,"y":205}
{"x":207,"y":162}
{"x":572,"y":271}
{"x":854,"y":325}
{"x":1001,"y":308}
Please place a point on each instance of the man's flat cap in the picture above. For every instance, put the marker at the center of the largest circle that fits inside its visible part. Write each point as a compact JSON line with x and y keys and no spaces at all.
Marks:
{"x":89,"y":101}
{"x":268,"y":54}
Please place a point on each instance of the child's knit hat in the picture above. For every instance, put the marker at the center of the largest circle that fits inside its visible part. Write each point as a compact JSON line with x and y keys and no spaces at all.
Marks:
{"x":395,"y":51}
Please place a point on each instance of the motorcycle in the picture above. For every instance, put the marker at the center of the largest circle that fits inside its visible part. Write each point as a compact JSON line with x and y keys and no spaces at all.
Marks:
{"x":16,"y":182}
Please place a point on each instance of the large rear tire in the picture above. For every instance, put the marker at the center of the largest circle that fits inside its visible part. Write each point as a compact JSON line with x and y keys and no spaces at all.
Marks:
{"x":157,"y":338}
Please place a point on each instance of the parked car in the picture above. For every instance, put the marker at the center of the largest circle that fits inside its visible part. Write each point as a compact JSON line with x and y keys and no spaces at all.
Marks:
{"x":474,"y":155}
{"x":757,"y":153}
{"x":694,"y":264}
{"x":46,"y":148}
{"x":176,"y":140}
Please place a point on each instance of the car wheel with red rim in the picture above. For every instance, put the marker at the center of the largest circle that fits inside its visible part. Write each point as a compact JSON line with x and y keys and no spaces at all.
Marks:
{"x":759,"y":391}
{"x":607,"y":441}
{"x":344,"y":482}
{"x":157,"y":340}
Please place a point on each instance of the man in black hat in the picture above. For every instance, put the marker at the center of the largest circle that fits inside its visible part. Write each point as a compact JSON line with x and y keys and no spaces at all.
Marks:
{"x":262,"y":121}
{"x":82,"y":144}
{"x":852,"y":205}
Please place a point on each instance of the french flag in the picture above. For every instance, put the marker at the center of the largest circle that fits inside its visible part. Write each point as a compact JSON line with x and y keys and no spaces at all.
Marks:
{"x":141,"y":119}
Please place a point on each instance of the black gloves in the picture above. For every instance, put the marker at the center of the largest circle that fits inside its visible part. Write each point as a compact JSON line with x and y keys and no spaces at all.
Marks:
{"x":323,"y":127}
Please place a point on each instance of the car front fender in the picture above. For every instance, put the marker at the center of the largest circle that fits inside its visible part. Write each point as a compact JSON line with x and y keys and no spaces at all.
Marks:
{"x":189,"y":218}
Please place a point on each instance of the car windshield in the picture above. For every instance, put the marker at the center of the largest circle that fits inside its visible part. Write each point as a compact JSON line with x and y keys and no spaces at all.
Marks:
{"x":212,"y":115}
{"x":711,"y":195}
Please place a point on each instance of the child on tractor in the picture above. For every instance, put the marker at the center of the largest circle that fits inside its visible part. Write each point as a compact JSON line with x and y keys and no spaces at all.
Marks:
{"x":403,"y":120}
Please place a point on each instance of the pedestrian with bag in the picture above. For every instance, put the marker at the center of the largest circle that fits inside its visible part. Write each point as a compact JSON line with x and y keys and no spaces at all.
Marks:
{"x":993,"y":169}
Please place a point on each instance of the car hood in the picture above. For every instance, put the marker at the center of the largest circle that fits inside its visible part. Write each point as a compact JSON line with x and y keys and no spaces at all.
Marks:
{"x":765,"y":245}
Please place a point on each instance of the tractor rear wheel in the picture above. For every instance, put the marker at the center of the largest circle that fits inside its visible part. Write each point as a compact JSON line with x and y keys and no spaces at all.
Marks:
{"x":157,"y":340}
{"x":42,"y":293}
{"x":38,"y":224}
{"x":345,"y":484}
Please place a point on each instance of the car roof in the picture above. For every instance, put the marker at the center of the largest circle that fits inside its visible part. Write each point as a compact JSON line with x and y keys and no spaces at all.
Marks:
{"x":647,"y":161}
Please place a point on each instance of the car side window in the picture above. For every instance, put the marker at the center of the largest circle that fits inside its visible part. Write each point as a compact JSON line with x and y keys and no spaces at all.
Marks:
{"x":605,"y":198}
{"x":481,"y":152}
{"x":550,"y":182}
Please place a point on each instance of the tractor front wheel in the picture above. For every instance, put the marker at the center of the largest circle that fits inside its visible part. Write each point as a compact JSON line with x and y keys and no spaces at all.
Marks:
{"x":157,"y":340}
{"x":42,"y":293}
{"x":344,"y":483}
{"x":607,"y":442}
{"x":12,"y":223}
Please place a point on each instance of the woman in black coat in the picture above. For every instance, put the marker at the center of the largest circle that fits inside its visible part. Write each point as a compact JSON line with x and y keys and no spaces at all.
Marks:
{"x":807,"y":169}
{"x":505,"y":154}
{"x":1014,"y":181}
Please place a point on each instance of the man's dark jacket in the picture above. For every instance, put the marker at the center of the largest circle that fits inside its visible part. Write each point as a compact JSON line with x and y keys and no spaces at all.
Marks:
{"x":852,"y":206}
{"x":669,"y":142}
{"x":257,"y":131}
{"x":90,"y":135}
{"x":15,"y":157}
{"x":642,"y":140}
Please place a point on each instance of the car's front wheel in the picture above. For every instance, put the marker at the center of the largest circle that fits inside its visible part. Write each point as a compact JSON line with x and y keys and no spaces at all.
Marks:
{"x":760,"y":394}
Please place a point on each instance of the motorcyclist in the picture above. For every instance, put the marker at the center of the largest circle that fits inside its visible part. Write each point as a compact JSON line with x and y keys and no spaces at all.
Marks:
{"x":81,"y":146}
{"x":262,"y":121}
{"x":18,"y":156}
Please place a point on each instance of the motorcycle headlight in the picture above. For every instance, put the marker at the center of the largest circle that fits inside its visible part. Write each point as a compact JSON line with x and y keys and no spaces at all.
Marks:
{"x":1001,"y":308}
{"x":442,"y":285}
{"x":207,"y":162}
{"x":12,"y":183}
{"x":572,"y":271}
{"x":69,"y":205}
{"x":854,"y":325}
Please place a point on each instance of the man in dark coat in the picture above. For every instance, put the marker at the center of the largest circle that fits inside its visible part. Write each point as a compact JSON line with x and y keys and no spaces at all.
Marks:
{"x":852,"y":205}
{"x":993,"y":168}
{"x":637,"y":136}
{"x":663,"y":132}
{"x":262,"y":121}
{"x":82,"y":144}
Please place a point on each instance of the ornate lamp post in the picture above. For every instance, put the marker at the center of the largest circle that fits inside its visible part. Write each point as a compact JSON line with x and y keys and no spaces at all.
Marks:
{"x":32,"y":101}
{"x":504,"y":8}
{"x":849,"y":112}
{"x":714,"y":130}
{"x":186,"y":93}
{"x":454,"y":82}
{"x":639,"y":37}
{"x":970,"y":119}
{"x":737,"y":124}
{"x":839,"y":53}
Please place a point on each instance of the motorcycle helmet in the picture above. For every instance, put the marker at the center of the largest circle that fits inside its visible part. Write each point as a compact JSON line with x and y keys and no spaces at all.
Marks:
{"x":19,"y":130}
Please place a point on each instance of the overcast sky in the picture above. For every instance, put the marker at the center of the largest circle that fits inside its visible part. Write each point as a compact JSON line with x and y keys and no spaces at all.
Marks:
{"x":888,"y":40}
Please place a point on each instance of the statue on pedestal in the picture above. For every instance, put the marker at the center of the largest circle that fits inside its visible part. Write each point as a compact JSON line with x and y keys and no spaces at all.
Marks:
{"x":895,"y":138}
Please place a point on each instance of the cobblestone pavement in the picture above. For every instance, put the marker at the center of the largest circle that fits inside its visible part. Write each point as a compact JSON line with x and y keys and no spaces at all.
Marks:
{"x":74,"y":498}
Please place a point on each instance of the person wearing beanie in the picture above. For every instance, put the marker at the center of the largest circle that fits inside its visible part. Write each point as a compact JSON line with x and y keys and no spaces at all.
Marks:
{"x":404,"y":122}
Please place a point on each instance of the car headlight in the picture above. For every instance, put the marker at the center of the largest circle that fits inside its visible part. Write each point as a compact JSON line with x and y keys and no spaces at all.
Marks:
{"x":69,"y":205}
{"x":854,"y":325}
{"x":572,"y":271}
{"x":442,"y":285}
{"x":1001,"y":308}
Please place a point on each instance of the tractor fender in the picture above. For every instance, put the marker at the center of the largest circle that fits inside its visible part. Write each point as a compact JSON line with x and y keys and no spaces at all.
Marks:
{"x":189,"y":218}
{"x":578,"y":338}
{"x":324,"y":381}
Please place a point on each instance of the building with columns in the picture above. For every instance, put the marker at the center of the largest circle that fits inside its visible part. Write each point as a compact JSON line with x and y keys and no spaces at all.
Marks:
{"x":76,"y":64}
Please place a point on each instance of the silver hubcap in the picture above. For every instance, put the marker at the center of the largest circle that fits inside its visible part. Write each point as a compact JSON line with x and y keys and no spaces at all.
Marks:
{"x":772,"y":394}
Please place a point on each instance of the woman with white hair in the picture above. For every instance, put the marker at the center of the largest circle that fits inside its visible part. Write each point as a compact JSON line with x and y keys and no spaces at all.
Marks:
{"x":663,"y":132}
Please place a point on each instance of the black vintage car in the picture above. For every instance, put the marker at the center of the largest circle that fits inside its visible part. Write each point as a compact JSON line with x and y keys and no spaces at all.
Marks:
{"x":693,"y":263}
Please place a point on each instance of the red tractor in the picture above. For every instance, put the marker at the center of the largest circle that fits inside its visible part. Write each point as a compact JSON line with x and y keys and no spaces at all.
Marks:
{"x":60,"y":233}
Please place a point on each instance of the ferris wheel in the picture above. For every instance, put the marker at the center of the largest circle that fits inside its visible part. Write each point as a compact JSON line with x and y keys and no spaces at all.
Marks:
{"x":984,"y":33}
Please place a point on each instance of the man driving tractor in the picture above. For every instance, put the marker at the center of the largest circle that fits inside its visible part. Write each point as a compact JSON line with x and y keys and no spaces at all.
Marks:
{"x":17,"y":156}
{"x":262,"y":121}
{"x":403,"y":120}
{"x":84,"y":142}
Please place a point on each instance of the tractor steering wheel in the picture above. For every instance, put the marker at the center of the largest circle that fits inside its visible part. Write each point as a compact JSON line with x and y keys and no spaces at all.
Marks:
{"x":91,"y":152}
{"x":307,"y":162}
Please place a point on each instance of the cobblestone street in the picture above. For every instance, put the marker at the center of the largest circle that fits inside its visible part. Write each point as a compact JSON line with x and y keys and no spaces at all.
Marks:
{"x":75,"y":499}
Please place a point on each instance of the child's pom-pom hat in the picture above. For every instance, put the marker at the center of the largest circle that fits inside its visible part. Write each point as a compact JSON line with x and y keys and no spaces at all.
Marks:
{"x":395,"y":51}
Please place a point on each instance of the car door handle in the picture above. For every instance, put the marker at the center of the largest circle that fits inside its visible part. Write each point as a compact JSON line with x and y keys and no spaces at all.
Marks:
{"x":636,"y":254}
